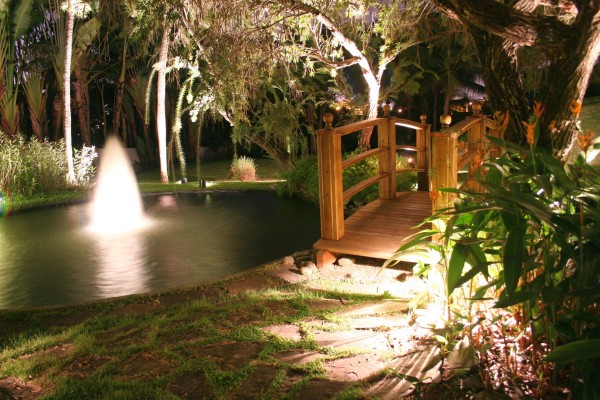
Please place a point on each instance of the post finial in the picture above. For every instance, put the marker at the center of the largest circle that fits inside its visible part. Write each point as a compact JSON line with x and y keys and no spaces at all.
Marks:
{"x":423,"y":118}
{"x":476,"y":107}
{"x":386,"y":110}
{"x":446,"y":120}
{"x":328,"y":119}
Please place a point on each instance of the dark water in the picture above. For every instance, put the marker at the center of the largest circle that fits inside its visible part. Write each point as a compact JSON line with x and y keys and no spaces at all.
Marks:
{"x":48,"y":258}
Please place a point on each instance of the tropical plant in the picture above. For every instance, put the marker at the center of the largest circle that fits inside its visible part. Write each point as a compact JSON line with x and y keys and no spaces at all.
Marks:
{"x":36,"y":94}
{"x":530,"y":243}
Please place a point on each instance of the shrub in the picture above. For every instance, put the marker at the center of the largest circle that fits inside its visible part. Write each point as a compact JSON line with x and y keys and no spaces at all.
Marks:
{"x":243,"y":169}
{"x":34,"y":167}
{"x":302,"y":180}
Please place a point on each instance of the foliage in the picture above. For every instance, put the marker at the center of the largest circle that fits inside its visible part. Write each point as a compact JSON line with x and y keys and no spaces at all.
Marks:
{"x":243,"y":169}
{"x":369,"y":167}
{"x":275,"y":123}
{"x":83,"y":162}
{"x":303,"y":179}
{"x":32,"y":167}
{"x":531,"y":243}
{"x":35,"y":167}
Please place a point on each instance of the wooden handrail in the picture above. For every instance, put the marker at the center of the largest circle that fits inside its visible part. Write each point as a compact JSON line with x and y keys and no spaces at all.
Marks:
{"x":357,"y":126}
{"x":410,"y":148}
{"x":360,"y":156}
{"x":348,"y":193}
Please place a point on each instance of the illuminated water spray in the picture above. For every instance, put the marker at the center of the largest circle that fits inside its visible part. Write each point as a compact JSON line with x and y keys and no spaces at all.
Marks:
{"x":117,"y":205}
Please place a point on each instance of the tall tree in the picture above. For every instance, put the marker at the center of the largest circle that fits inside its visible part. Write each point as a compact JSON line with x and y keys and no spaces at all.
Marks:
{"x":340,"y":34}
{"x":566,"y":35}
{"x":70,"y":22}
{"x":161,"y":117}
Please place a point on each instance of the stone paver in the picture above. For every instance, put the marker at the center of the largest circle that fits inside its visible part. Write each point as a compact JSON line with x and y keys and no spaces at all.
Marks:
{"x":375,"y":308}
{"x":353,"y":340}
{"x":355,"y":368}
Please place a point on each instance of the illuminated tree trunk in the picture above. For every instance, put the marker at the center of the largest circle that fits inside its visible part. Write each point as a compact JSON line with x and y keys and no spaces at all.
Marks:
{"x":67,"y":93}
{"x":161,"y":119}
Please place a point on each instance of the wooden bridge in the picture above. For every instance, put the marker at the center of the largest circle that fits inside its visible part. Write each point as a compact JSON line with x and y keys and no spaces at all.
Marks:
{"x":379,"y":228}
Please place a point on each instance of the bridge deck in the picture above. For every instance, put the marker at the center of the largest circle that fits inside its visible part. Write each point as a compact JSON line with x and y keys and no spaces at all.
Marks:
{"x":378,"y":229}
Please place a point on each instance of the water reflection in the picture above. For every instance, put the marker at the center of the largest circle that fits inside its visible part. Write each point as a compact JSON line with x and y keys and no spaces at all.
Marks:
{"x":121,"y":264}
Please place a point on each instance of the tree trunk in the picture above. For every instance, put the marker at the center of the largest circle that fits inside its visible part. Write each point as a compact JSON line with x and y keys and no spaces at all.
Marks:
{"x":279,"y":154}
{"x":82,"y":100}
{"x":103,"y":105}
{"x":569,"y":51}
{"x":161,"y":119}
{"x":67,"y":92}
{"x":57,"y":111}
{"x":503,"y":81}
{"x":120,"y":90}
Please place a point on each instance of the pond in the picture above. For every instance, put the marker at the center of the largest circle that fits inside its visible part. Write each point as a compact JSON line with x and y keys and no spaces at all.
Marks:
{"x":47,"y":257}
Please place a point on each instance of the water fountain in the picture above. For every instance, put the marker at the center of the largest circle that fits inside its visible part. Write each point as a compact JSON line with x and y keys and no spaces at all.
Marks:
{"x":116,"y":206}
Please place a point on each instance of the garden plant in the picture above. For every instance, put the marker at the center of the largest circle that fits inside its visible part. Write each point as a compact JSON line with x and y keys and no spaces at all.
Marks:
{"x":521,"y":260}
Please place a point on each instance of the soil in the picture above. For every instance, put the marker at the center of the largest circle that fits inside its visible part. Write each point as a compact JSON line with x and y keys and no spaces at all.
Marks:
{"x":390,"y":351}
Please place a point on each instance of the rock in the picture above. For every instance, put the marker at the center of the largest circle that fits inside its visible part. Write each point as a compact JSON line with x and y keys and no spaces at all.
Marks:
{"x":306,"y":271}
{"x":307,"y":268}
{"x":345,"y":262}
{"x":288,"y":261}
{"x":402,"y":277}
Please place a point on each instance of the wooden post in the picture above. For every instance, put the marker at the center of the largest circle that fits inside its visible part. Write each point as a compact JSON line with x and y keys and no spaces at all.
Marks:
{"x":331,"y":191}
{"x":386,"y":137}
{"x":444,"y":174}
{"x":423,"y":159}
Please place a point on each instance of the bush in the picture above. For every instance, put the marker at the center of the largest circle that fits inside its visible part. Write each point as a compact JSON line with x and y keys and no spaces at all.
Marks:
{"x":243,"y":169}
{"x":302,"y":180}
{"x":34,"y":167}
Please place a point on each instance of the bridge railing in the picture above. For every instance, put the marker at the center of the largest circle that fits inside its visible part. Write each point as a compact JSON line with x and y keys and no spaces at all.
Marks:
{"x":461,"y":147}
{"x":332,"y":194}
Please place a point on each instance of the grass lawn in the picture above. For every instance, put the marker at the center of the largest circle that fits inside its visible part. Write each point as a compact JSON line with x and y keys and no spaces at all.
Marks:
{"x":216,"y":173}
{"x":266,"y":168}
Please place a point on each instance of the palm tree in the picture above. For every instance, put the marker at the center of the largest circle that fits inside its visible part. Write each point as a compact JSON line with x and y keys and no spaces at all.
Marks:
{"x":161,"y":118}
{"x":70,"y":22}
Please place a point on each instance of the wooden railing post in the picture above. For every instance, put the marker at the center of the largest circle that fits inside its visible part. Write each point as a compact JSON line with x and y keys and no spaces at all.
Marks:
{"x":444,"y":166}
{"x":423,"y":143}
{"x":331,"y":201}
{"x":386,"y":137}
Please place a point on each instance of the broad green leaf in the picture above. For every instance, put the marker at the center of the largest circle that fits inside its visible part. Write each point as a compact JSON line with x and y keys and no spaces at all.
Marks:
{"x":456,"y":265}
{"x":575,"y":351}
{"x":513,"y":259}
